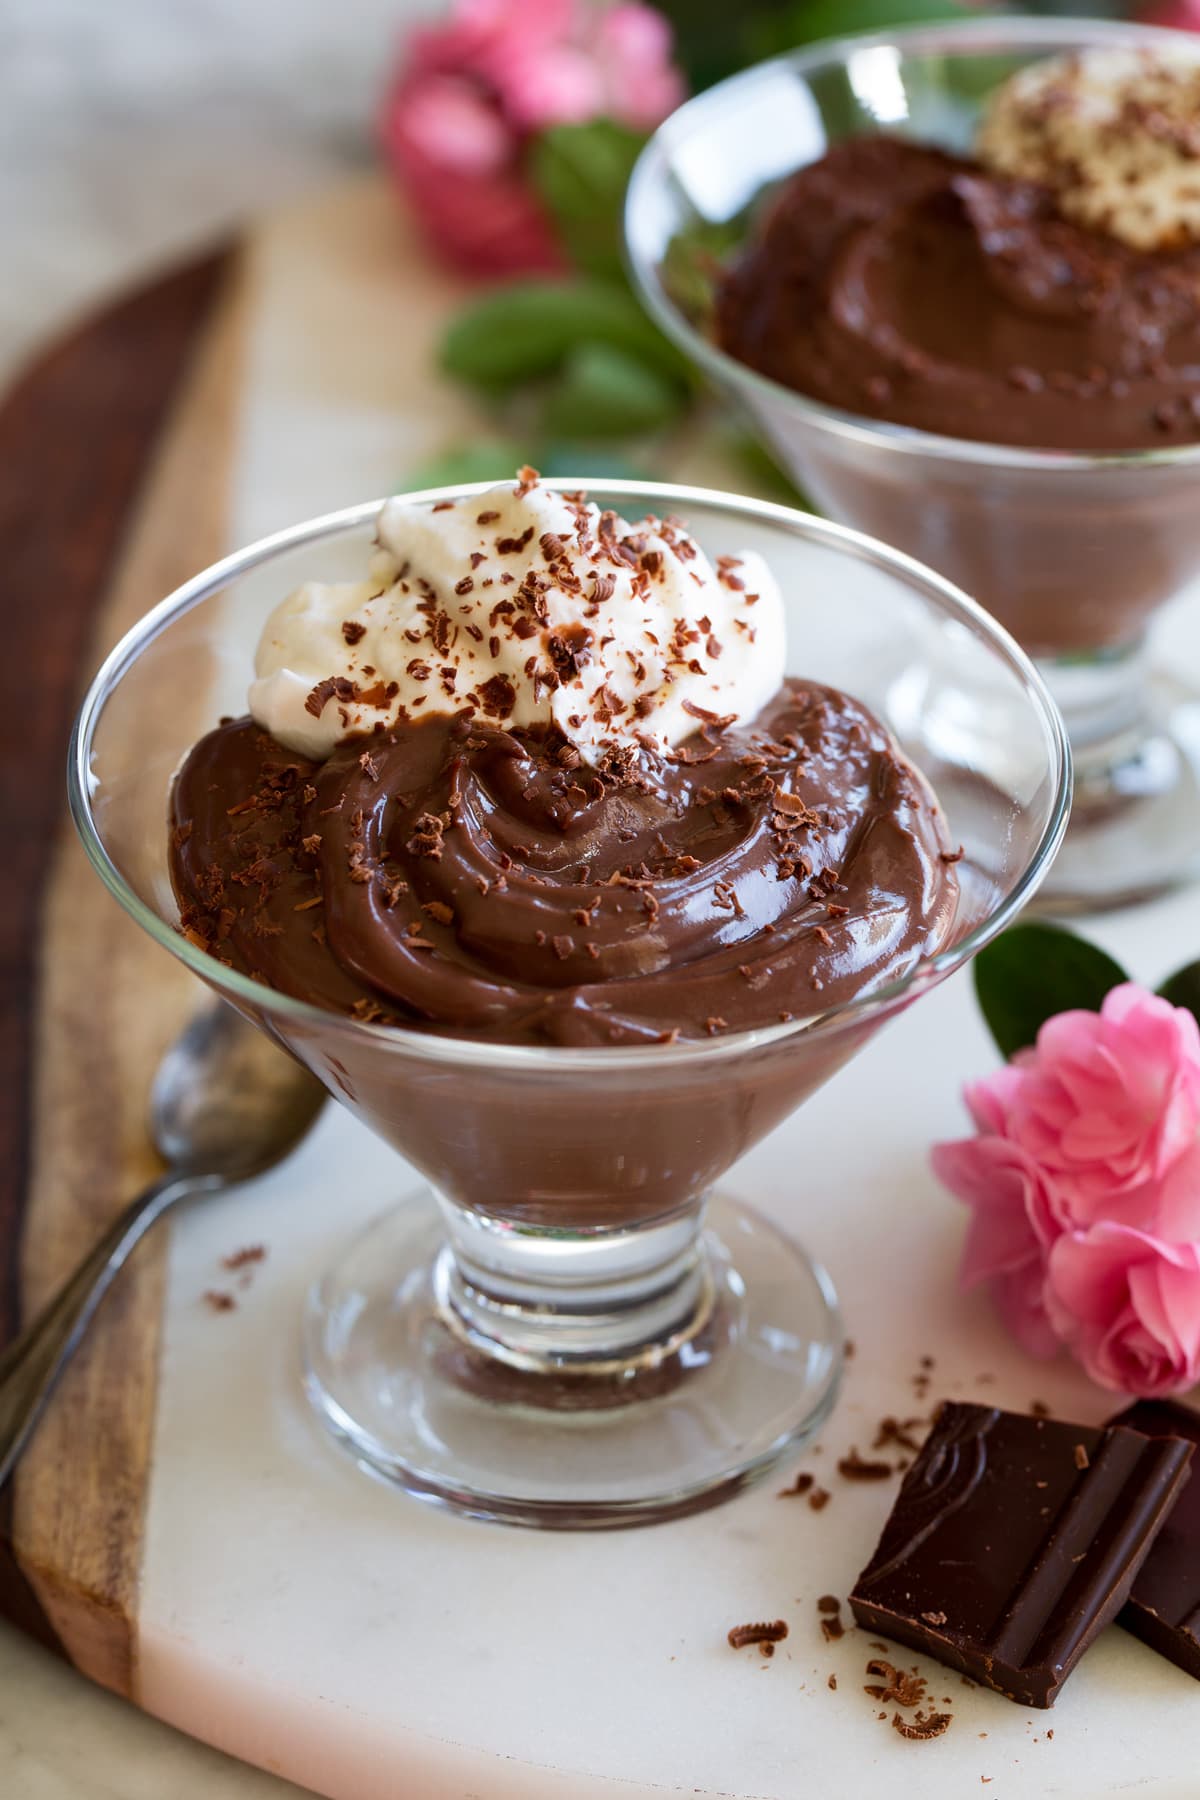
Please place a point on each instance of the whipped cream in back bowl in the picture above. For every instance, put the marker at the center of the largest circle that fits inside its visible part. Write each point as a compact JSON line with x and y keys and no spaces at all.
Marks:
{"x":1114,"y":133}
{"x":526,"y":606}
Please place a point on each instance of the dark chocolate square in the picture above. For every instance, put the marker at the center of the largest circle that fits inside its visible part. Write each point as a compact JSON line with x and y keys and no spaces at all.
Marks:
{"x":1014,"y":1541}
{"x":1163,"y":1608}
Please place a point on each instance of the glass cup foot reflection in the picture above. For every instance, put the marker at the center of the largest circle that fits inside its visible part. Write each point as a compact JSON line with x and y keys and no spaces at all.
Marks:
{"x":523,"y":1428}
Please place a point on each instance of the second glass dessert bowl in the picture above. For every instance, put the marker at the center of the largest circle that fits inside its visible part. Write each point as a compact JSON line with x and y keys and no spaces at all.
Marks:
{"x":571,"y":1326}
{"x":1073,"y":552}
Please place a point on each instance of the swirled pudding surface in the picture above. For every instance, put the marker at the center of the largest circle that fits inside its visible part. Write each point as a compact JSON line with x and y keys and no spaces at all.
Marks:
{"x":540,"y":780}
{"x":893,"y":280}
{"x":488,"y":883}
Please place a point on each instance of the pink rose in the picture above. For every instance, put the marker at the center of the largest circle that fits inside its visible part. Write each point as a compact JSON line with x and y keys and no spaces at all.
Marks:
{"x":1083,"y":1182}
{"x":453,"y":154}
{"x":1129,"y":1307}
{"x":1108,"y":1102}
{"x":1009,"y":1233}
{"x":458,"y":117}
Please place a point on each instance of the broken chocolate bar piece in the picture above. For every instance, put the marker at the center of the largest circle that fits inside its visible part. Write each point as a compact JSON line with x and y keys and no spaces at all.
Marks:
{"x":1024,"y":1546}
{"x":1163,"y":1608}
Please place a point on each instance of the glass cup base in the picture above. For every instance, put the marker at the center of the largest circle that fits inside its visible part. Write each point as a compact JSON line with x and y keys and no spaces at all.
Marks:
{"x":1135,"y":824}
{"x":413,"y":1397}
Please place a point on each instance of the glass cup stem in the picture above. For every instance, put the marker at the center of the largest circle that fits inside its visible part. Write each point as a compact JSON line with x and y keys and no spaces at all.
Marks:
{"x":577,"y":1300}
{"x":1107,"y":704}
{"x":1135,"y":826}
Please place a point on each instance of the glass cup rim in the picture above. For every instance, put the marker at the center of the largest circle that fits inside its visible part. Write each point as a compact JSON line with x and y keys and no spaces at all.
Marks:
{"x":1000,"y":31}
{"x":951,"y":602}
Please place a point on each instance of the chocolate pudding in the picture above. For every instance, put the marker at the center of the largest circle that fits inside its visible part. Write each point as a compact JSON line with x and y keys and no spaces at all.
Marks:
{"x":627,"y":865}
{"x":538,"y":780}
{"x":894,"y":280}
{"x":458,"y":877}
{"x":1042,"y":295}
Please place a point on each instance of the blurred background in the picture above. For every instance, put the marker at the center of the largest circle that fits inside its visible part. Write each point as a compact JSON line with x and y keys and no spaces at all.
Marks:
{"x":132,"y":131}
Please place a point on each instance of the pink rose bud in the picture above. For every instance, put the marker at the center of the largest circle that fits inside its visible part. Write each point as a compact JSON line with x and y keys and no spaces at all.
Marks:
{"x":1128,"y":1305}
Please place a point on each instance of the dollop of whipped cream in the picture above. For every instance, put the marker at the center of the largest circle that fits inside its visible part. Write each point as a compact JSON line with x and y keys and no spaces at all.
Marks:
{"x":531,"y":607}
{"x":1114,"y":132}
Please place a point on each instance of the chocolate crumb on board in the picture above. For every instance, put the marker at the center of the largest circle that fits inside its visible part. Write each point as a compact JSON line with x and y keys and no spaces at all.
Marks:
{"x":857,"y":1468}
{"x":921,"y":1725}
{"x":819,"y":1498}
{"x":217,"y":1301}
{"x":832,"y":1629}
{"x":249,"y":1253}
{"x":897,"y":1433}
{"x":1039,"y":1409}
{"x":766,"y":1633}
{"x":848,"y":1349}
{"x":829,"y":1603}
{"x":893,"y":1684}
{"x":801,"y":1485}
{"x":832,"y":1683}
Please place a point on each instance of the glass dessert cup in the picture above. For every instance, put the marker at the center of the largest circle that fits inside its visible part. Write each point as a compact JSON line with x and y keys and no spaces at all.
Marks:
{"x":1073,"y":553}
{"x":571,"y":1326}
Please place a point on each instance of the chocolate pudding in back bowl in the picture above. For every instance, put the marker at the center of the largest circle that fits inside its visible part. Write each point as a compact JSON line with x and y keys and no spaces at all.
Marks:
{"x":569,"y":838}
{"x":953,"y":273}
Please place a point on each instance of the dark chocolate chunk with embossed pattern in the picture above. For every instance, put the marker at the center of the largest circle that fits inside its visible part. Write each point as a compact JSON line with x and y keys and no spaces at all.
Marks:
{"x":1022,"y":1538}
{"x":1163,"y":1607}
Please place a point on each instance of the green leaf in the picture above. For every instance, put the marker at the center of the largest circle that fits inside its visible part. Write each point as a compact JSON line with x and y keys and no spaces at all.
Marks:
{"x":604,"y":392}
{"x":803,"y":21}
{"x":497,"y":459}
{"x":1086,"y":9}
{"x":581,"y":173}
{"x":487,"y":459}
{"x":526,"y":331}
{"x":710,"y":37}
{"x":1033,"y":971}
{"x":563,"y":457}
{"x":695,"y":257}
{"x":1183,"y":988}
{"x":764,"y":475}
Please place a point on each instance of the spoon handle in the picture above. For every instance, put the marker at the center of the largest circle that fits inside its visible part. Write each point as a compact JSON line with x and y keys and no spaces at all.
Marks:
{"x":33,"y":1362}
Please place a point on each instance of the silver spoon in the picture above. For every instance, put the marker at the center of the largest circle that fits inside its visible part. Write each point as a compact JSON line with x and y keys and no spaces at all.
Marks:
{"x":226,"y":1104}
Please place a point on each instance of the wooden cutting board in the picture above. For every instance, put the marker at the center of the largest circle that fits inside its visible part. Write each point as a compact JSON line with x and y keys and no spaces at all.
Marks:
{"x":114,"y":485}
{"x":129,"y":457}
{"x":180,"y":1527}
